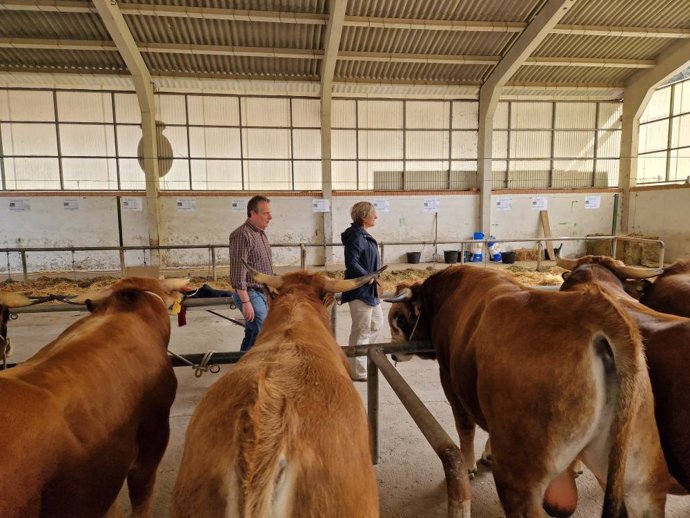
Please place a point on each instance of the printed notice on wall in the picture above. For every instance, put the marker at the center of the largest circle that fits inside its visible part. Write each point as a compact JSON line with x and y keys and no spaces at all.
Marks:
{"x":592,"y":202}
{"x":539,"y":203}
{"x":133,"y":204}
{"x":239,"y":206}
{"x":321,"y":205}
{"x":70,"y":204}
{"x":431,"y":204}
{"x":20,"y":205}
{"x":382,"y":205}
{"x":504,"y":204}
{"x":186,"y":205}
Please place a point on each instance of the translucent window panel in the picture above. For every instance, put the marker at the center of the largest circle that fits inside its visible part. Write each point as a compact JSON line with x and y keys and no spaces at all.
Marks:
{"x":499,"y":145}
{"x":463,"y":175}
{"x":430,"y":177}
{"x":681,"y":97}
{"x":610,"y":115}
{"x":530,"y":144}
{"x":528,"y":174}
{"x":680,"y":127}
{"x":380,"y":114}
{"x":171,"y":109}
{"x":177,"y":178}
{"x":609,"y":144}
{"x":178,"y":141}
{"x":426,"y":144}
{"x":651,"y":167}
{"x":501,"y":116}
{"x":344,"y":175}
{"x":266,"y":143}
{"x":26,"y":105}
{"x":610,"y":169}
{"x":89,"y":173}
{"x":32,"y":173}
{"x":653,"y":136}
{"x":582,"y":166}
{"x":127,"y":109}
{"x":369,"y":168}
{"x":573,"y":144}
{"x":344,"y":144}
{"x":306,"y":143}
{"x":527,"y":115}
{"x":572,"y":173}
{"x":87,"y":140}
{"x":659,"y":105}
{"x":530,"y":165}
{"x":306,"y":113}
{"x":580,"y":115}
{"x":680,"y":164}
{"x":131,"y":175}
{"x":213,"y":110}
{"x":467,"y":165}
{"x":427,"y":114}
{"x":343,"y":114}
{"x":268,"y":175}
{"x":128,"y":138}
{"x":465,"y":115}
{"x":215,"y":142}
{"x":307,"y":175}
{"x":465,"y":144}
{"x":380,"y":144}
{"x":264,"y":111}
{"x":29,"y":139}
{"x":215,"y":175}
{"x":84,"y":107}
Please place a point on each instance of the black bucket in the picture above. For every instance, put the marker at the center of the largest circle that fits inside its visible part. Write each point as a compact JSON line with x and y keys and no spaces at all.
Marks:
{"x":451,"y":256}
{"x":414,"y":257}
{"x":508,"y":257}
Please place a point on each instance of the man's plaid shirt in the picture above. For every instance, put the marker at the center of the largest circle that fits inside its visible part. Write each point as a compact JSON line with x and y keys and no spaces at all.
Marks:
{"x":250,"y":243}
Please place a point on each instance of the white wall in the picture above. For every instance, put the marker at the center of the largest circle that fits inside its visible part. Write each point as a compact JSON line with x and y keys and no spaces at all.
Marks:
{"x":663,"y":212}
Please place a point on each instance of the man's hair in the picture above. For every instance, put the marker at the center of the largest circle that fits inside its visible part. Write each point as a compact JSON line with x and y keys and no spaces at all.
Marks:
{"x":253,"y":204}
{"x":360,"y":211}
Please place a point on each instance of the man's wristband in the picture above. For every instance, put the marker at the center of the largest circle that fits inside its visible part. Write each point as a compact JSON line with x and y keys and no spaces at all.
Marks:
{"x":244,"y":301}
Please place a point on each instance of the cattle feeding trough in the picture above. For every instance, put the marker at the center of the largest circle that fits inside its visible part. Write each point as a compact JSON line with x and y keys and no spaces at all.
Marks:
{"x":504,"y":352}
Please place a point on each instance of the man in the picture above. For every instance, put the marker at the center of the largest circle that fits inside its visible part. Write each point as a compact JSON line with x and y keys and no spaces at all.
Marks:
{"x":249,"y":242}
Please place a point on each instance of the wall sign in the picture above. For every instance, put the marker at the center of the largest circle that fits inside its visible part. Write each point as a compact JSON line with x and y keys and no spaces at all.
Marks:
{"x":321,"y":205}
{"x":539,"y":203}
{"x":239,"y":206}
{"x":431,"y":204}
{"x":382,"y":205}
{"x":70,"y":204}
{"x":504,"y":204}
{"x":131,"y":204}
{"x":186,"y":205}
{"x":20,"y":205}
{"x":592,"y":202}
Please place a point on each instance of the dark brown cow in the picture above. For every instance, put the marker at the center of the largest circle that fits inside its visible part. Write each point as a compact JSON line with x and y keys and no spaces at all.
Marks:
{"x":284,"y":434}
{"x":670,"y":292}
{"x":667,"y":342}
{"x":90,"y":410}
{"x":547,"y":386}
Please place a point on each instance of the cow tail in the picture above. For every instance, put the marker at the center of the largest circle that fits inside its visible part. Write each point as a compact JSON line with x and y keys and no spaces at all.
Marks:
{"x":262,"y":463}
{"x":623,"y":338}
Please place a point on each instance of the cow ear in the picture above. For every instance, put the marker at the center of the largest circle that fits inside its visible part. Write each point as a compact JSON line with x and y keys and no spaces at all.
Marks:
{"x":565,"y":275}
{"x":90,"y":305}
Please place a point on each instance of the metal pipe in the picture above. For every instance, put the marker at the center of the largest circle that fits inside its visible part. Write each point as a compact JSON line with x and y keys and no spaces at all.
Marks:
{"x":457,"y":478}
{"x":373,"y":407}
{"x":214,"y":274}
{"x":302,"y":256}
{"x":25,"y":271}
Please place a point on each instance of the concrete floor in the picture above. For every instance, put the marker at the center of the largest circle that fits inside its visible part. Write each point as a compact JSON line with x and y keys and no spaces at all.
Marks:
{"x":411,"y":482}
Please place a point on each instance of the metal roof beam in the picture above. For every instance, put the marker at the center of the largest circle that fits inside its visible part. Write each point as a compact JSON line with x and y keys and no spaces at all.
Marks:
{"x":117,"y":28}
{"x":537,"y":30}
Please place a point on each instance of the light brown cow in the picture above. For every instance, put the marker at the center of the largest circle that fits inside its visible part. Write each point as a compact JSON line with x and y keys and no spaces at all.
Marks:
{"x":90,"y":409}
{"x":551,"y":376}
{"x":284,"y":434}
{"x":667,"y":344}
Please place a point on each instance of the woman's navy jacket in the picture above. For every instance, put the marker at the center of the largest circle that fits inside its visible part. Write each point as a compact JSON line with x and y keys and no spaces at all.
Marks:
{"x":361,"y":258}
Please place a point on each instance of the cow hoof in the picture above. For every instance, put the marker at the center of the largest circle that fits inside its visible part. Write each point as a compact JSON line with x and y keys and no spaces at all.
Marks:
{"x":472,"y":473}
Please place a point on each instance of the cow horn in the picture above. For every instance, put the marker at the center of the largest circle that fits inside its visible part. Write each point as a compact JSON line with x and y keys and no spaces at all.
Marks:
{"x":17,"y":300}
{"x":568,"y":264}
{"x":272,"y":281}
{"x":631,"y":272}
{"x":339,"y":286}
{"x":405,"y":294}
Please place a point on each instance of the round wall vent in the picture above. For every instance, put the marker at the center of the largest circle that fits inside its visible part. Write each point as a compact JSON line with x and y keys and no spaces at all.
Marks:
{"x":165,"y":151}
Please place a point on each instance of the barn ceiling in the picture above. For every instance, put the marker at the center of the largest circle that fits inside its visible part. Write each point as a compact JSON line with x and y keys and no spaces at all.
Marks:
{"x":403,"y":47}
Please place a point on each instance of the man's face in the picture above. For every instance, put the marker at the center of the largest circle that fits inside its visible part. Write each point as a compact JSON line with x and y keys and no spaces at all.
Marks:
{"x":262,"y":217}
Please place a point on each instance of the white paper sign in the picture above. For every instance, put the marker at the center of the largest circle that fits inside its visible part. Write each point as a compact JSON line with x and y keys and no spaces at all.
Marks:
{"x":382,"y":205}
{"x":504,"y":204}
{"x":70,"y":204}
{"x":539,"y":203}
{"x":321,"y":205}
{"x":133,"y":204}
{"x":20,"y":205}
{"x":431,"y":204}
{"x":592,"y":202}
{"x":239,"y":206}
{"x":186,"y":205}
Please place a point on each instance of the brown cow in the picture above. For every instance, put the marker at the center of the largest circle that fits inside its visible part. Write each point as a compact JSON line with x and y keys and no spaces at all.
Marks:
{"x":670,"y":292}
{"x":284,"y":434}
{"x":547,"y":388}
{"x":90,"y":409}
{"x":667,"y":343}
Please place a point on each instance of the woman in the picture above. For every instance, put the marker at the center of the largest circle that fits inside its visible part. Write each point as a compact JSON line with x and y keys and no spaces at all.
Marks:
{"x":361,"y":258}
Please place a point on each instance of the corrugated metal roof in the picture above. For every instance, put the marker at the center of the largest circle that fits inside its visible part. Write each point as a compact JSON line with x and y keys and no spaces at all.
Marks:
{"x":630,"y":13}
{"x":231,"y":66}
{"x":571,"y":75}
{"x":49,"y":25}
{"x":62,"y":60}
{"x":601,"y":47}
{"x":287,"y":6}
{"x":382,"y":71}
{"x":474,"y":10}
